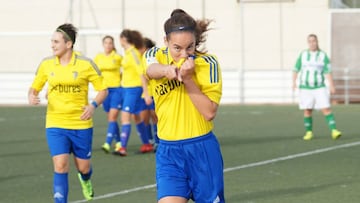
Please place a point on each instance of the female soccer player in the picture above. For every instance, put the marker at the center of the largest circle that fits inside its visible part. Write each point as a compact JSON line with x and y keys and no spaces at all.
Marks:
{"x":148,"y":108}
{"x":187,"y":88}
{"x":69,"y":127}
{"x":109,"y":63}
{"x":313,"y":65}
{"x":131,"y":84}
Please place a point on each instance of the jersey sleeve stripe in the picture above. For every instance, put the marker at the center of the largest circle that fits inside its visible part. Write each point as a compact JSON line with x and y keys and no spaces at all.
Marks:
{"x":137,"y":60}
{"x":93,"y":65}
{"x":214,"y":72}
{"x":151,"y":52}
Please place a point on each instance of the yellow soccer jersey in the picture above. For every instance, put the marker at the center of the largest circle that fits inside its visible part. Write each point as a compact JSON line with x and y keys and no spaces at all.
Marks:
{"x":178,"y":117}
{"x":110,"y":68}
{"x":131,"y":68}
{"x":67,"y":90}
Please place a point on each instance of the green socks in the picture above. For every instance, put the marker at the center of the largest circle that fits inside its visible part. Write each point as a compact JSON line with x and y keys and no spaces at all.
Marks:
{"x":331,"y":121}
{"x":308,"y":123}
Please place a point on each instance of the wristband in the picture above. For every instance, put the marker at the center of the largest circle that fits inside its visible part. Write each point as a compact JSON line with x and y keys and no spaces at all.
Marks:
{"x":94,"y":104}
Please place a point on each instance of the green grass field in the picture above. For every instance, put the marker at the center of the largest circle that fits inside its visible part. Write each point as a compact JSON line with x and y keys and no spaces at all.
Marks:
{"x":265,"y":159}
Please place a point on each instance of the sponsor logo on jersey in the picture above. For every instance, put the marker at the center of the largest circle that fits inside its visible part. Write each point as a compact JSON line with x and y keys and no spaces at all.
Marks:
{"x":75,"y":74}
{"x":167,"y":87}
{"x":61,"y":88}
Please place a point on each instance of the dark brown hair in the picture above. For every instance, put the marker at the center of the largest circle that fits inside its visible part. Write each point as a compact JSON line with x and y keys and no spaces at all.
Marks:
{"x":180,"y":21}
{"x":148,"y":43}
{"x":134,"y":37}
{"x":69,"y":32}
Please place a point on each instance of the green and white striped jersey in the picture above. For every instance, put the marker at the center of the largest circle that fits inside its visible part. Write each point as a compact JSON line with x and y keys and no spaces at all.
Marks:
{"x":312,"y":66}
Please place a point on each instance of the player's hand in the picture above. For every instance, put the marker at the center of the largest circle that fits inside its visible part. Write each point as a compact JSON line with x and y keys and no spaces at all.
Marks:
{"x":294,"y":86}
{"x":171,"y":72}
{"x":148,"y":100}
{"x":33,"y":99}
{"x":187,"y":69}
{"x":88,"y":112}
{"x":332,"y":89}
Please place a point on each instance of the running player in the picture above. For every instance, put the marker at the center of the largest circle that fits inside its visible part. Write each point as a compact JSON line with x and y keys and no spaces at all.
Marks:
{"x":313,"y":66}
{"x":131,"y":84}
{"x":69,"y":126}
{"x":187,"y":87}
{"x":109,"y":63}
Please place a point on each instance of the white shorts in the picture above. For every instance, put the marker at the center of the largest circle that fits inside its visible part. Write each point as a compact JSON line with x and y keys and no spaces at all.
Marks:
{"x":314,"y":98}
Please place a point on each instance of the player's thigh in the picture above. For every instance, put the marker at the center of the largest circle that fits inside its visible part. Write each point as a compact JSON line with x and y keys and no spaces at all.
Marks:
{"x":206,"y":170}
{"x":171,"y":177}
{"x":173,"y":199}
{"x":83,"y":165}
{"x":131,"y":100}
{"x":106,"y":103}
{"x":116,"y":99}
{"x":82,"y":143}
{"x":322,"y":98}
{"x":58,"y":141}
{"x":306,"y":99}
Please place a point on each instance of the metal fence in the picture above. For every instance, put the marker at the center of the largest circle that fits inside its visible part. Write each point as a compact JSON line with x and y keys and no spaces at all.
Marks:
{"x":239,"y":87}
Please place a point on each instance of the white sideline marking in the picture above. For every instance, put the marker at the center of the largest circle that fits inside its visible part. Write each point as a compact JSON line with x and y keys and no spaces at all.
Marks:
{"x":260,"y":163}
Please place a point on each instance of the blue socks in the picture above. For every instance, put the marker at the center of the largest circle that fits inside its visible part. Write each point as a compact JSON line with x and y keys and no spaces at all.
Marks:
{"x":141,"y":128}
{"x":113,"y":132}
{"x":60,"y":187}
{"x":125,"y":134}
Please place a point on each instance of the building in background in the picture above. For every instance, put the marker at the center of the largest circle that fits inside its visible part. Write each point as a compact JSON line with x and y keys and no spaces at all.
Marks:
{"x":256,"y":41}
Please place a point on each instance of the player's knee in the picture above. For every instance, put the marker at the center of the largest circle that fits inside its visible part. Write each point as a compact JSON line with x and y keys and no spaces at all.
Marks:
{"x":61,"y":167}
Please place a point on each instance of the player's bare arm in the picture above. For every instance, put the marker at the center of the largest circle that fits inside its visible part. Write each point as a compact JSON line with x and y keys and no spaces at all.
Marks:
{"x":202,"y":103}
{"x":157,"y":71}
{"x":33,"y":97}
{"x":329,"y":78}
{"x":295,"y":75}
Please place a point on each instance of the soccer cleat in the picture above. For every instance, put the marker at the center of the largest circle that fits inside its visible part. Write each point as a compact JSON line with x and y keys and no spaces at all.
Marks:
{"x":117,"y":146}
{"x":105,"y":147}
{"x":87,"y":189}
{"x":308,"y":136}
{"x":145,"y":148}
{"x":335,"y":134}
{"x":120,"y":152}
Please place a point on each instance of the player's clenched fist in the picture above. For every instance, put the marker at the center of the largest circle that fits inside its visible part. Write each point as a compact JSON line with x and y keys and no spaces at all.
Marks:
{"x":187,"y":69}
{"x":171,"y":72}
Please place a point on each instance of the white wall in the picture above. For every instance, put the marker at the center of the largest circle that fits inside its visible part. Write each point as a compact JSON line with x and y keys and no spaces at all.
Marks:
{"x":245,"y":35}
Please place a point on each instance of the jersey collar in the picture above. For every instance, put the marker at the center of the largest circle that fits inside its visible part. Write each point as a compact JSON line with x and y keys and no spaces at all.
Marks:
{"x":72,"y":61}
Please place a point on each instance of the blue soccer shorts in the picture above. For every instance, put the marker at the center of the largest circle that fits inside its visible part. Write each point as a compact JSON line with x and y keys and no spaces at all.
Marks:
{"x":191,"y":168}
{"x":143,"y":105}
{"x":66,"y":141}
{"x":132,"y":99}
{"x":113,"y":100}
